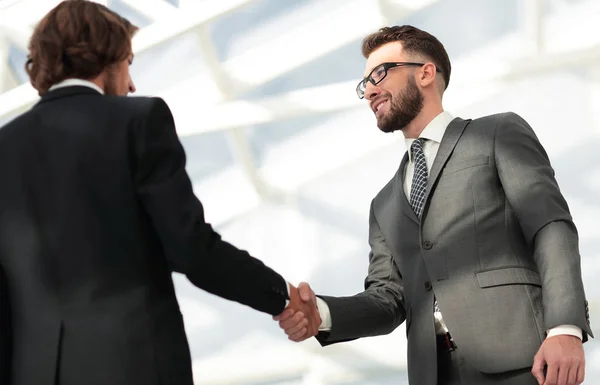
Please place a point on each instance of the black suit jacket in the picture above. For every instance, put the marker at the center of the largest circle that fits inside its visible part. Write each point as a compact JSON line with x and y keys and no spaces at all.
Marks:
{"x":96,"y":212}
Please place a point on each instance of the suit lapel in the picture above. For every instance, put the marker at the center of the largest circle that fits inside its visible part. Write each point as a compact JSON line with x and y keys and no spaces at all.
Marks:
{"x":391,"y":206}
{"x":449,"y":140}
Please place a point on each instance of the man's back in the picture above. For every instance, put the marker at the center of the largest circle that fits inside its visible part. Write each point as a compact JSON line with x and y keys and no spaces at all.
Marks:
{"x":88,"y":280}
{"x":96,"y":212}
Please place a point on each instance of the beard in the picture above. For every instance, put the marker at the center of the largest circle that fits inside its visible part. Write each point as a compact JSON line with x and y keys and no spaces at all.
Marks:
{"x":405,"y":106}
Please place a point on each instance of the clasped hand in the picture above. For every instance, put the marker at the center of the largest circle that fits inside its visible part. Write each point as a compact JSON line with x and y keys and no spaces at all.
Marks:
{"x":300,"y":319}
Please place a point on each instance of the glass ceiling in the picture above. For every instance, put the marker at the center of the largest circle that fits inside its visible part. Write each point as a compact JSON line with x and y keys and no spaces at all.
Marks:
{"x":286,"y":159}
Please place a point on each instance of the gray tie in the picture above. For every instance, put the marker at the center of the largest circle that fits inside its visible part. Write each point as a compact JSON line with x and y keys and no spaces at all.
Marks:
{"x":419,"y":182}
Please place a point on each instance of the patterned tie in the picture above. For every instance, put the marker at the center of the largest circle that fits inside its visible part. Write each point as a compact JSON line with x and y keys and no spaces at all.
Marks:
{"x":419,"y":182}
{"x":419,"y":187}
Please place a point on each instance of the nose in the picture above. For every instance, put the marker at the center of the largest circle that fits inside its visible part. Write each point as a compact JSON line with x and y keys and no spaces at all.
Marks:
{"x":131,"y":86}
{"x":371,"y":91}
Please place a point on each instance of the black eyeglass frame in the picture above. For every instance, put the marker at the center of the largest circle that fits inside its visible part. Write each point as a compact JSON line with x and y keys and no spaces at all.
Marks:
{"x":362,"y":85}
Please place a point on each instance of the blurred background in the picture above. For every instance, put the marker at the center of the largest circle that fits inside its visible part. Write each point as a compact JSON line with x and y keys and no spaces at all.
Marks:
{"x":286,"y":158}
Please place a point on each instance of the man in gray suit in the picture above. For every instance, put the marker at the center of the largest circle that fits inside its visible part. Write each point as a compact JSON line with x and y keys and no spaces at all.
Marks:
{"x":471,"y":241}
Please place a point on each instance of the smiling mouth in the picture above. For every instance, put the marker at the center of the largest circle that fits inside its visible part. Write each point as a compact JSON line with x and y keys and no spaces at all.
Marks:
{"x":378,"y":106}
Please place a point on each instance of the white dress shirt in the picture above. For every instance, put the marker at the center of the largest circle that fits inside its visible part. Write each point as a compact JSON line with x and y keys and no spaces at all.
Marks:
{"x":76,"y":82}
{"x":433,"y":132}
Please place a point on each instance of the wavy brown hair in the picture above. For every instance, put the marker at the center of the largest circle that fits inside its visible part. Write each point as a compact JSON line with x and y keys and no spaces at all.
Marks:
{"x":76,"y":39}
{"x":414,"y":41}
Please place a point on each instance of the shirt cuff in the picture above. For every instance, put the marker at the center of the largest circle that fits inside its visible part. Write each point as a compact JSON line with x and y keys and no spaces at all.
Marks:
{"x":287,"y":301}
{"x":570,"y":330}
{"x":325,"y":315}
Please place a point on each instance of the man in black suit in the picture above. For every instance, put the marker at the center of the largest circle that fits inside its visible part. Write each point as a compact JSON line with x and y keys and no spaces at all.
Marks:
{"x":96,"y":212}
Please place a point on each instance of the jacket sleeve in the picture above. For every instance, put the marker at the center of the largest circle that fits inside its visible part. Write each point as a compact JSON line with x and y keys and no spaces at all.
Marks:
{"x":190,"y":244}
{"x":379,"y":309}
{"x":533,"y":194}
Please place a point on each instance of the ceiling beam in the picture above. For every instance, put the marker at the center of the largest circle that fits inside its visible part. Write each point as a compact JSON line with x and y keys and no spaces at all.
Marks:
{"x":583,"y":59}
{"x":533,"y":25}
{"x":239,"y":142}
{"x":8,"y":79}
{"x":240,"y":113}
{"x":153,"y":9}
{"x":16,"y":32}
{"x":302,"y":44}
{"x":394,"y":10}
{"x":23,"y":97}
{"x":216,"y":72}
{"x":183,"y":21}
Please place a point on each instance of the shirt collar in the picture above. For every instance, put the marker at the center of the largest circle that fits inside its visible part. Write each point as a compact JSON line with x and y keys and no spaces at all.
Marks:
{"x":433,"y":132}
{"x":77,"y":82}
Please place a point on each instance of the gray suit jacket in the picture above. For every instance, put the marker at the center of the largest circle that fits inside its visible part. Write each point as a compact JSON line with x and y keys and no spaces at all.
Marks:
{"x":496,"y":244}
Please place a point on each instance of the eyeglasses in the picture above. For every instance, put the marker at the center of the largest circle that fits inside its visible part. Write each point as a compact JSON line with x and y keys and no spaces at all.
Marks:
{"x":380,"y":72}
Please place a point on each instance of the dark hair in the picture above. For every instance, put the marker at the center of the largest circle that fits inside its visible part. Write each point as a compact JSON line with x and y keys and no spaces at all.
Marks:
{"x":76,"y":39}
{"x":414,"y":41}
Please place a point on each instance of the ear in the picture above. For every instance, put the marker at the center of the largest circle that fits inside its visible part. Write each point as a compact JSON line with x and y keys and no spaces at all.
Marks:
{"x":427,"y":75}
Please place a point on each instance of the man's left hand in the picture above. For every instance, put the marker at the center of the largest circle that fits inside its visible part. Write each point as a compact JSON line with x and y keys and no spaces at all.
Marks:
{"x":564,"y":358}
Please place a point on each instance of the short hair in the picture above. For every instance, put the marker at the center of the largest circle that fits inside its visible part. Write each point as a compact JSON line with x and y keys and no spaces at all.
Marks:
{"x":76,"y":39}
{"x":414,"y":41}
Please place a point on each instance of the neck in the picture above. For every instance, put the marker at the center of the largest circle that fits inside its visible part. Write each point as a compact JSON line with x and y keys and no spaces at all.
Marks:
{"x":429,"y":112}
{"x":98,"y":82}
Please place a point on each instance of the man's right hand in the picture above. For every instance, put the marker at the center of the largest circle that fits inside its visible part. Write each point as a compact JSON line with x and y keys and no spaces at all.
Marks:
{"x":300,"y":320}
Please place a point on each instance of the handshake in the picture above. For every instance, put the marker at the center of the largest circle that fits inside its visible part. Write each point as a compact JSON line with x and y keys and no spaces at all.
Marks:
{"x":300,"y":320}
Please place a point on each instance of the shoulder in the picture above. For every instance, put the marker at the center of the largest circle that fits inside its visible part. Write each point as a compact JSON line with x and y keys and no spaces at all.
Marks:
{"x":497,"y":124}
{"x":495,"y":120}
{"x":138,"y":106}
{"x":15,"y":124}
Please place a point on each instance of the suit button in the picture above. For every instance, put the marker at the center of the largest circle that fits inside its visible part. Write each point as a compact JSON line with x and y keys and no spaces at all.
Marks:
{"x":427,"y":245}
{"x":427,"y":285}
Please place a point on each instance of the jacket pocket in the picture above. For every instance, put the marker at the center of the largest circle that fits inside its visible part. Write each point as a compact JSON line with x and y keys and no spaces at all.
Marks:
{"x":508,"y":276}
{"x":461,"y":164}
